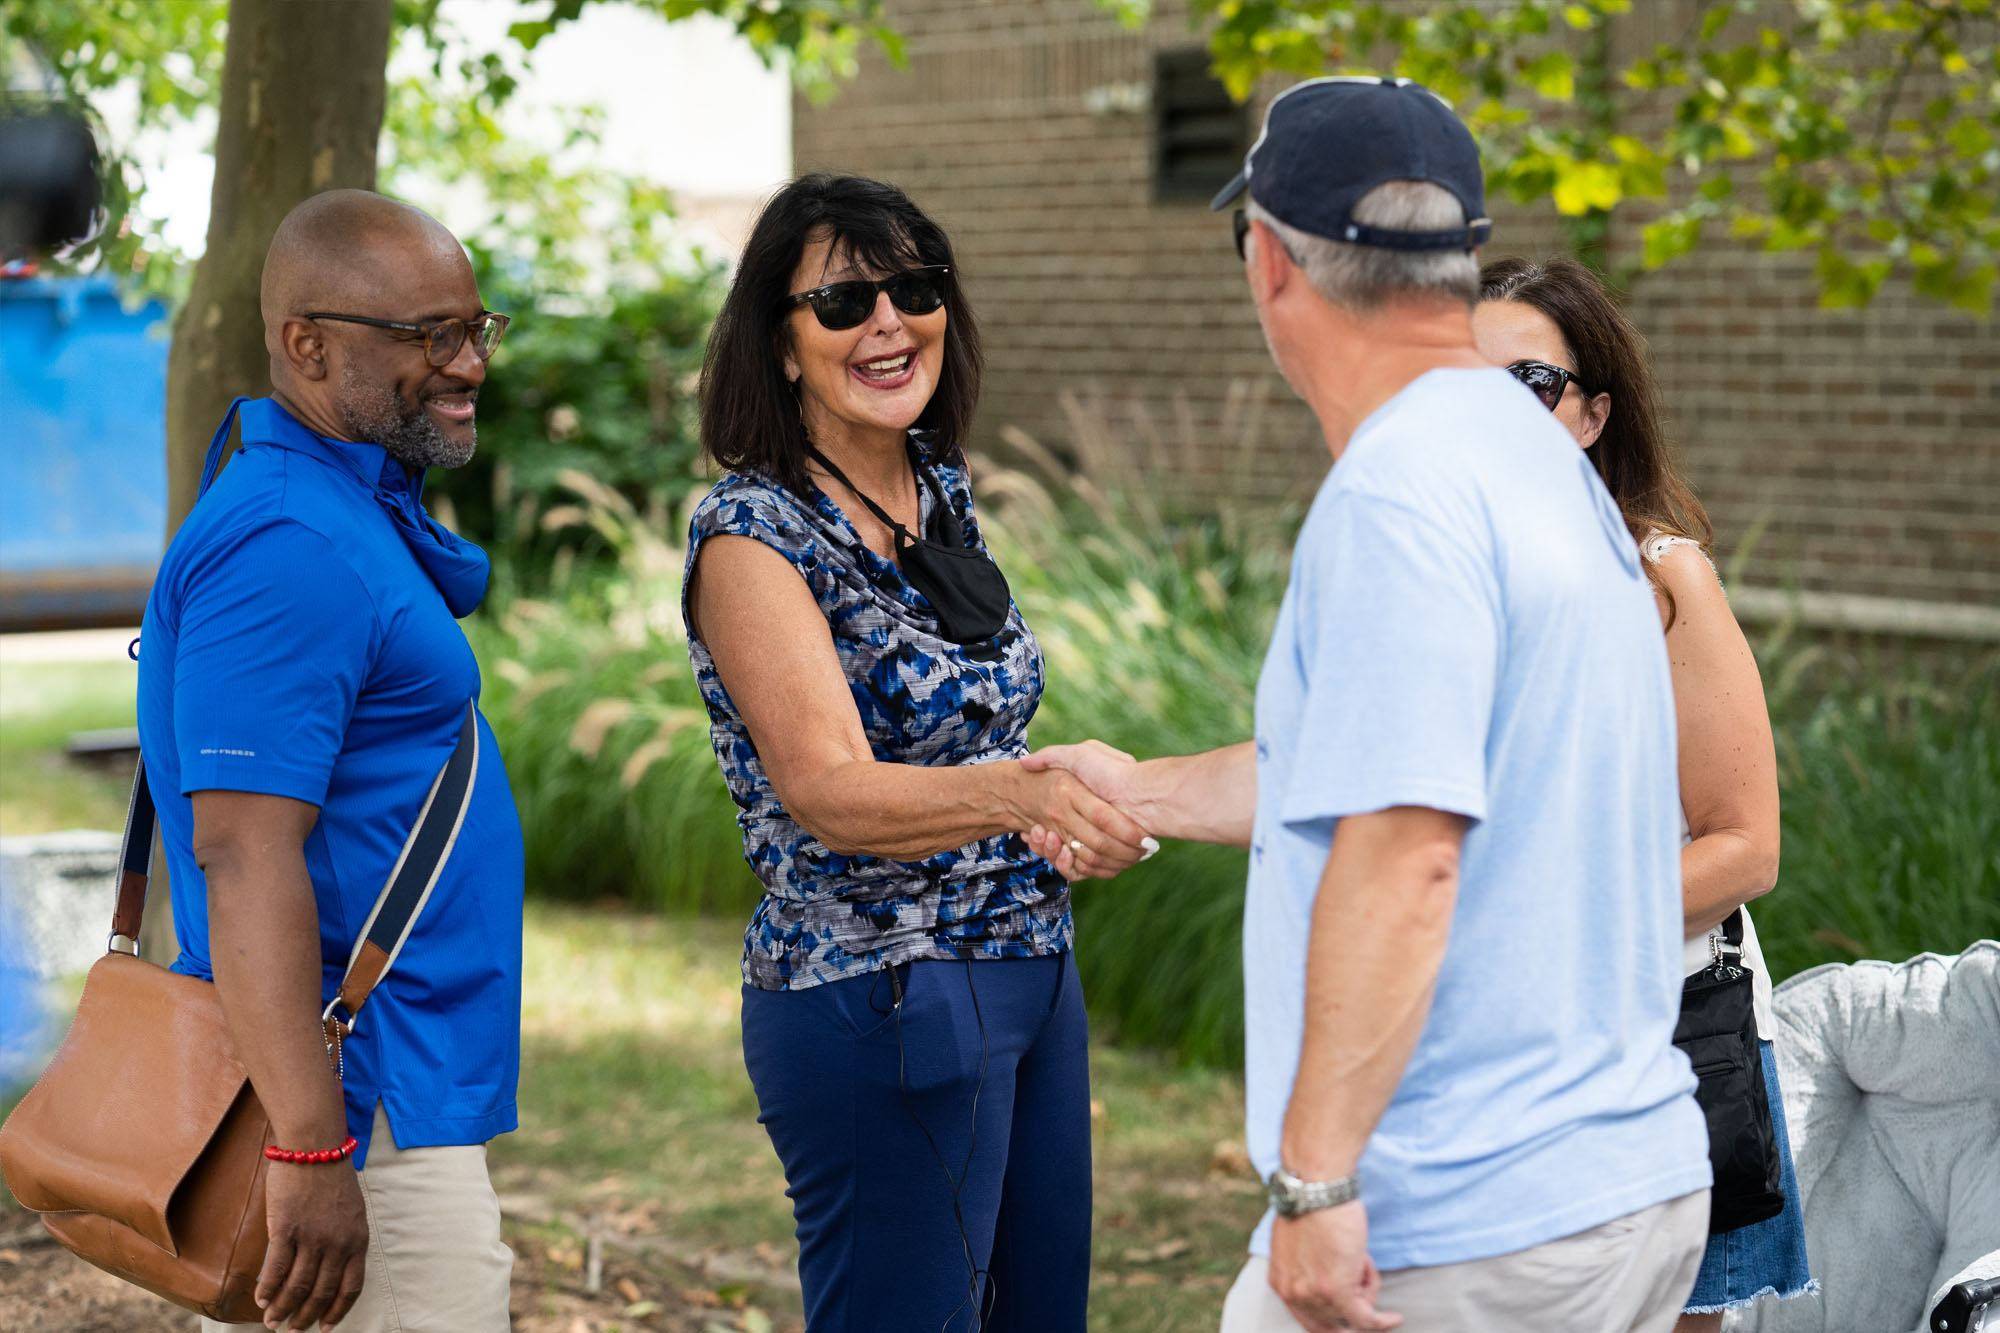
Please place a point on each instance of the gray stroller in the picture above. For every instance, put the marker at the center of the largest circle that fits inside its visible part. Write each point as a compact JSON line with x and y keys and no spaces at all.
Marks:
{"x":1891,"y":1079}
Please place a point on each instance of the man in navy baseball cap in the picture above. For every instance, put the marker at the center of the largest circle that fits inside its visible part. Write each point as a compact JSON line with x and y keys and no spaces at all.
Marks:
{"x":1461,"y":1080}
{"x":1461,"y":931}
{"x":1328,"y":142}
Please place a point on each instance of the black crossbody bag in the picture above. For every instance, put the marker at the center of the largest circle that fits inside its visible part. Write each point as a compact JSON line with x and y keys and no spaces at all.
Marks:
{"x":1718,"y":1031}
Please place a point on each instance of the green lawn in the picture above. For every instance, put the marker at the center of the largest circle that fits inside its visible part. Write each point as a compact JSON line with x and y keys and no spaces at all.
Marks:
{"x":636,"y":1112}
{"x":638,"y":1123}
{"x":41,"y":705}
{"x":639,"y":1128}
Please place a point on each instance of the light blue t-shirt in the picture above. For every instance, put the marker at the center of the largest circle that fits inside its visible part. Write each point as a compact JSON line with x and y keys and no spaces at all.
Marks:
{"x":1467,"y":628}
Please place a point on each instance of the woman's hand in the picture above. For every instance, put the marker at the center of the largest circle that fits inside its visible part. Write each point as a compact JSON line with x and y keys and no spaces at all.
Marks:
{"x":1076,"y":827}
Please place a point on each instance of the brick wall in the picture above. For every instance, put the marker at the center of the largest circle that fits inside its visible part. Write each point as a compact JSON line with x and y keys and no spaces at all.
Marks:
{"x":1865,"y":446}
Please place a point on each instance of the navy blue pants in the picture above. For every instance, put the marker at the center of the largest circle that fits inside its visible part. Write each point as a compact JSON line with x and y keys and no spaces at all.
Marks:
{"x":873,"y":1132}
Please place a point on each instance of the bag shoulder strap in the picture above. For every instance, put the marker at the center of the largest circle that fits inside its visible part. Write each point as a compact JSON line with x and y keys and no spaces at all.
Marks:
{"x":418,"y":868}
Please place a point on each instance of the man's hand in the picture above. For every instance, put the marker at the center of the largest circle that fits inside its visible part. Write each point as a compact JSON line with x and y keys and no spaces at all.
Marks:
{"x":319,"y":1240}
{"x":263,"y":934}
{"x":1321,"y":1270}
{"x":1093,"y":838}
{"x":1104,"y":770}
{"x":1206,"y":797}
{"x":1107,"y":772}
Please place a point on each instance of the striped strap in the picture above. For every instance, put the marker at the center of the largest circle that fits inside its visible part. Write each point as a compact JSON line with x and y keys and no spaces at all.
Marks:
{"x":418,"y":868}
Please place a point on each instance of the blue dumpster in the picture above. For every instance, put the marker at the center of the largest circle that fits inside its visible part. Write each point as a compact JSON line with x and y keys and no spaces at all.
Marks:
{"x":83,"y":471}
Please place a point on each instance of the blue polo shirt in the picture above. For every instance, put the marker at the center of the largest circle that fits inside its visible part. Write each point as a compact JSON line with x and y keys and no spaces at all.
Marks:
{"x":300,"y":641}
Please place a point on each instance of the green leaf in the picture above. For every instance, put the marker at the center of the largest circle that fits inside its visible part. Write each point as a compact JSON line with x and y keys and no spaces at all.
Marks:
{"x":1552,"y":75}
{"x":1934,"y":276}
{"x":1969,"y":139}
{"x":1844,"y":284}
{"x":1975,"y":291}
{"x":1668,"y":239}
{"x":1737,"y":141}
{"x":893,"y":46}
{"x":1582,"y":186}
{"x":1628,"y":149}
{"x":528,"y":32}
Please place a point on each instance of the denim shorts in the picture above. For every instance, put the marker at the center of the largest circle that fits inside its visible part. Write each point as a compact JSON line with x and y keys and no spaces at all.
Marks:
{"x":1767,"y":1258}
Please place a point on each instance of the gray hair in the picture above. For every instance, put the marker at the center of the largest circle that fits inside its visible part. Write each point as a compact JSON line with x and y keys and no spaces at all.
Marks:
{"x":1362,"y":277}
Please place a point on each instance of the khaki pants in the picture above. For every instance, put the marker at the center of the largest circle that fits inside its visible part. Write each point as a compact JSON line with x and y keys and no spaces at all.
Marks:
{"x":1630,"y":1275}
{"x":436,"y":1263}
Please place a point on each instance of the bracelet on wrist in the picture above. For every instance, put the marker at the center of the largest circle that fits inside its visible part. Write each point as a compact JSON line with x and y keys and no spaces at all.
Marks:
{"x":312,"y":1156}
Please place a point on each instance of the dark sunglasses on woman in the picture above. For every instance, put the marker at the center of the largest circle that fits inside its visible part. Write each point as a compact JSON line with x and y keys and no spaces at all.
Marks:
{"x":1548,"y":382}
{"x":842,"y":305}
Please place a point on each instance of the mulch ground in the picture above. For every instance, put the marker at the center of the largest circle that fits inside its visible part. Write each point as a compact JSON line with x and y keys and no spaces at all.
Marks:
{"x":633,"y":1285}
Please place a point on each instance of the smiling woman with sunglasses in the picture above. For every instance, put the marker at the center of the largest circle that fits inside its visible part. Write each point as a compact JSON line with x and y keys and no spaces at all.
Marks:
{"x":912,"y":1025}
{"x":1556,"y":328}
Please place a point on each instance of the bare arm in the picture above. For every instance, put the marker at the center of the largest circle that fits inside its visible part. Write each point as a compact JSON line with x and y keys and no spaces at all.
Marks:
{"x":1206,"y":797}
{"x":775,"y":655}
{"x":264,"y":936}
{"x":1379,"y":928}
{"x":1728,"y":763}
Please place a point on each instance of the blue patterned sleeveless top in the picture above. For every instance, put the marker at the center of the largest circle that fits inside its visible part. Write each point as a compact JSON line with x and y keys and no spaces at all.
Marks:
{"x":923,"y":700}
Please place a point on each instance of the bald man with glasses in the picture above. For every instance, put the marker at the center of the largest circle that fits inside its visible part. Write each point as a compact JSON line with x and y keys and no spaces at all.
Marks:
{"x":308,"y":719}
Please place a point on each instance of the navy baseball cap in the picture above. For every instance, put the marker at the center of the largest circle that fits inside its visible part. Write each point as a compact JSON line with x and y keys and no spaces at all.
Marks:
{"x":1327,"y":142}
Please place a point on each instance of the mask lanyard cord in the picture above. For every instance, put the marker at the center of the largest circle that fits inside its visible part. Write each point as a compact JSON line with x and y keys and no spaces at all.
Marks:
{"x":213,"y":462}
{"x":902,"y":533}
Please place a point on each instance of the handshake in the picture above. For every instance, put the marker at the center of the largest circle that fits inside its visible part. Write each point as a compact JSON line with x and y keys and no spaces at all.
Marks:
{"x":1084,"y":801}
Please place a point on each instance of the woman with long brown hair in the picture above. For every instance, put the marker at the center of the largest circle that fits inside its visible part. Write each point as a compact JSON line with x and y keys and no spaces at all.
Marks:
{"x":1556,"y":328}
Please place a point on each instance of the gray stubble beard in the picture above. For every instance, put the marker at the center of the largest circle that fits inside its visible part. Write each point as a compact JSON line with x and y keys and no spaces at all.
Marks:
{"x":371,"y":412}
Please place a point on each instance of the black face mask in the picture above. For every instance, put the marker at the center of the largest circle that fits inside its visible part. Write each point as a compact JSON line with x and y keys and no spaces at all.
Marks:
{"x":964,"y":586}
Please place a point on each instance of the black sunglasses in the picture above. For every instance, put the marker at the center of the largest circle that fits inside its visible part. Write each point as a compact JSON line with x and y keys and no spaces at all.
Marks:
{"x":842,"y":305}
{"x":1546,"y":381}
{"x":442,"y":338}
{"x":1241,"y":221}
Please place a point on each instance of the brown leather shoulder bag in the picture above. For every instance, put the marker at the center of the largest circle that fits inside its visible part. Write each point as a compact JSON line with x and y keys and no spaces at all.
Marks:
{"x":142,"y":1144}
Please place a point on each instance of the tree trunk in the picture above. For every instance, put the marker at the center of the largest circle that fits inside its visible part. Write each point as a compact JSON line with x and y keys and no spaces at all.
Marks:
{"x":303,"y":87}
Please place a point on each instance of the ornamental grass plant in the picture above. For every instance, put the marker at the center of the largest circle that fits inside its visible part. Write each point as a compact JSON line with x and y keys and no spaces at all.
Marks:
{"x":1153,"y":621}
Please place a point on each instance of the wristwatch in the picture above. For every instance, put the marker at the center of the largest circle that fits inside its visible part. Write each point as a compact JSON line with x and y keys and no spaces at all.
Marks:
{"x":1292,"y":1196}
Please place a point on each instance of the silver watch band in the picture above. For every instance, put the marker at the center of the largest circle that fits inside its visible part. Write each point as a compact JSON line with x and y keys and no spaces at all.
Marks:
{"x":1292,"y":1196}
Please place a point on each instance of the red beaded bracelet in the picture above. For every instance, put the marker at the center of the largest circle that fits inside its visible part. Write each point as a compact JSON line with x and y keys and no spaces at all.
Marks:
{"x":313,"y":1156}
